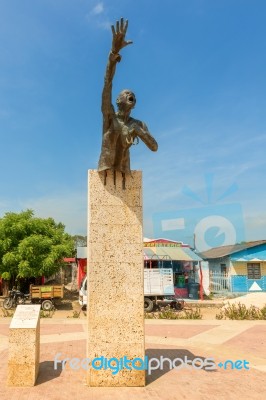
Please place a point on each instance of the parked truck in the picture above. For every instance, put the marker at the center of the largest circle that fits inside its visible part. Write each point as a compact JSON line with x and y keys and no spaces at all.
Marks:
{"x":158,"y":289}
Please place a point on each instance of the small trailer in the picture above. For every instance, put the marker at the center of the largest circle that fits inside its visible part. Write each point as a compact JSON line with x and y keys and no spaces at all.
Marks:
{"x":46,"y":294}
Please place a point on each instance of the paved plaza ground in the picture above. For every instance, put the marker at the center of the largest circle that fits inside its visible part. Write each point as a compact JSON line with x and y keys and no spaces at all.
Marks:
{"x":222,"y":340}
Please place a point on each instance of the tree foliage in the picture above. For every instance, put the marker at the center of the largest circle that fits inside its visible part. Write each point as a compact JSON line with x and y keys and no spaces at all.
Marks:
{"x":32,"y":247}
{"x":79,"y":240}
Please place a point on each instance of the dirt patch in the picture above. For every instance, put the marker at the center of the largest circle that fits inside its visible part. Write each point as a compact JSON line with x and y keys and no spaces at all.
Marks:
{"x":209,"y":312}
{"x":250,"y":299}
{"x":69,"y":302}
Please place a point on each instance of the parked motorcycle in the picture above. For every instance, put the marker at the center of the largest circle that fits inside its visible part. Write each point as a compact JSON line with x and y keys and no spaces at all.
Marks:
{"x":14,"y":298}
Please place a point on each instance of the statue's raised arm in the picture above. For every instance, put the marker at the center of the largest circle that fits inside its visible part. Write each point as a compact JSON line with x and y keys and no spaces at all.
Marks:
{"x":120,"y":130}
{"x":118,"y":42}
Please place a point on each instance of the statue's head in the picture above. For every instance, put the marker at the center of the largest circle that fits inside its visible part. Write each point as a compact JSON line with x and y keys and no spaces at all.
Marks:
{"x":126,"y":100}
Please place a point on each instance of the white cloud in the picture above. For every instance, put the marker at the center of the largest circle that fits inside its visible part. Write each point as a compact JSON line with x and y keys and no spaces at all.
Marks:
{"x":105,"y":25}
{"x":98,"y":17}
{"x":98,"y":9}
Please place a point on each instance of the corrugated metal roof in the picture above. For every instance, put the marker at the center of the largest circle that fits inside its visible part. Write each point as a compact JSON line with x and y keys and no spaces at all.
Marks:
{"x":223,"y":251}
{"x":149,"y":254}
{"x":192,"y":254}
{"x":163,"y":240}
{"x":176,"y":253}
{"x":170,"y":253}
{"x":251,"y":254}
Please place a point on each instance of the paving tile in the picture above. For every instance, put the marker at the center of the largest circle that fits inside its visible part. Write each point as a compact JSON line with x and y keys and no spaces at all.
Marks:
{"x":176,"y":331}
{"x":245,"y":341}
{"x":247,"y":338}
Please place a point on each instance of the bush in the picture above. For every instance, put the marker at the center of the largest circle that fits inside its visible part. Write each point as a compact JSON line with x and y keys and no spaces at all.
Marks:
{"x":241,"y":311}
{"x":7,"y":313}
{"x":193,"y":314}
{"x":169,"y":313}
{"x":263,"y":312}
{"x":47,"y":314}
{"x":75,"y":314}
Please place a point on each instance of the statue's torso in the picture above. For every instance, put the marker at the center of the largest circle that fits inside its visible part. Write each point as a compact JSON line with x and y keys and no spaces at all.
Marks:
{"x":115,"y":145}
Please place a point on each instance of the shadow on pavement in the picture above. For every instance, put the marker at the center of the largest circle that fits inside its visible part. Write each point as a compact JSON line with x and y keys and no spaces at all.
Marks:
{"x":181,"y":357}
{"x":47,"y":372}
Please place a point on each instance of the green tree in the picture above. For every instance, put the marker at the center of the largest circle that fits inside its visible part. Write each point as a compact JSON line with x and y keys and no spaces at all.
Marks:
{"x":79,"y":240}
{"x":32,"y":247}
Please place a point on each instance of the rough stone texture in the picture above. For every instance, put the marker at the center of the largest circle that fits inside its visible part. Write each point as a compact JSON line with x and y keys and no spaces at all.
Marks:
{"x":115,"y":276}
{"x":24,"y":346}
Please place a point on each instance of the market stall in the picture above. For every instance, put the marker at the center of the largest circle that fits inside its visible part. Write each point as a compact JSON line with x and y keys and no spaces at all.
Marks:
{"x":163,"y":253}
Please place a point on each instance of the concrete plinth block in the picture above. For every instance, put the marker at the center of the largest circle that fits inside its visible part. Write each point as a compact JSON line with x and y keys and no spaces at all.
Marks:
{"x":24,"y":346}
{"x":115,"y":280}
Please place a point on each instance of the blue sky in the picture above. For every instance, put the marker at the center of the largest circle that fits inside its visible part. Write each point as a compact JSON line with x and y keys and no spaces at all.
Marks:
{"x":198,"y":70}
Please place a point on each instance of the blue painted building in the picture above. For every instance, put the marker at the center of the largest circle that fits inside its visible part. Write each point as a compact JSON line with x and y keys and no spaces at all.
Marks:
{"x":245,"y":265}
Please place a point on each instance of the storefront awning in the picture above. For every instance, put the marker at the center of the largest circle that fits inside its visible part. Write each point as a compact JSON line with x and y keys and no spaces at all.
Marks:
{"x":170,"y":253}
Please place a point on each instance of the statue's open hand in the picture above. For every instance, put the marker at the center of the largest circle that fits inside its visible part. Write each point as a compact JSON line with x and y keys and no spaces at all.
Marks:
{"x":119,"y":34}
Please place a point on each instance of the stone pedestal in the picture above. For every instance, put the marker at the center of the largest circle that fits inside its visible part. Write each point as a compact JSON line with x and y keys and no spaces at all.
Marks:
{"x":24,"y":346}
{"x":115,"y":279}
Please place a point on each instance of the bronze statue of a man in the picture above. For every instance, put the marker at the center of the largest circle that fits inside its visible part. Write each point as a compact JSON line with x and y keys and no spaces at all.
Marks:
{"x":119,"y":129}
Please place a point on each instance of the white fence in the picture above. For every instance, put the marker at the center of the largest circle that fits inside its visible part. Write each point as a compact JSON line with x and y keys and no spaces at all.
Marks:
{"x":220,"y":282}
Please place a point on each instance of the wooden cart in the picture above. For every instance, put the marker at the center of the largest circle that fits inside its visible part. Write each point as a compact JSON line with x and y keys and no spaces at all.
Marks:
{"x":46,"y":295}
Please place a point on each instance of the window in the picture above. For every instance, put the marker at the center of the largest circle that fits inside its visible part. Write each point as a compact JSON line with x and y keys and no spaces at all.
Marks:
{"x":223,"y":268}
{"x":254,"y":271}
